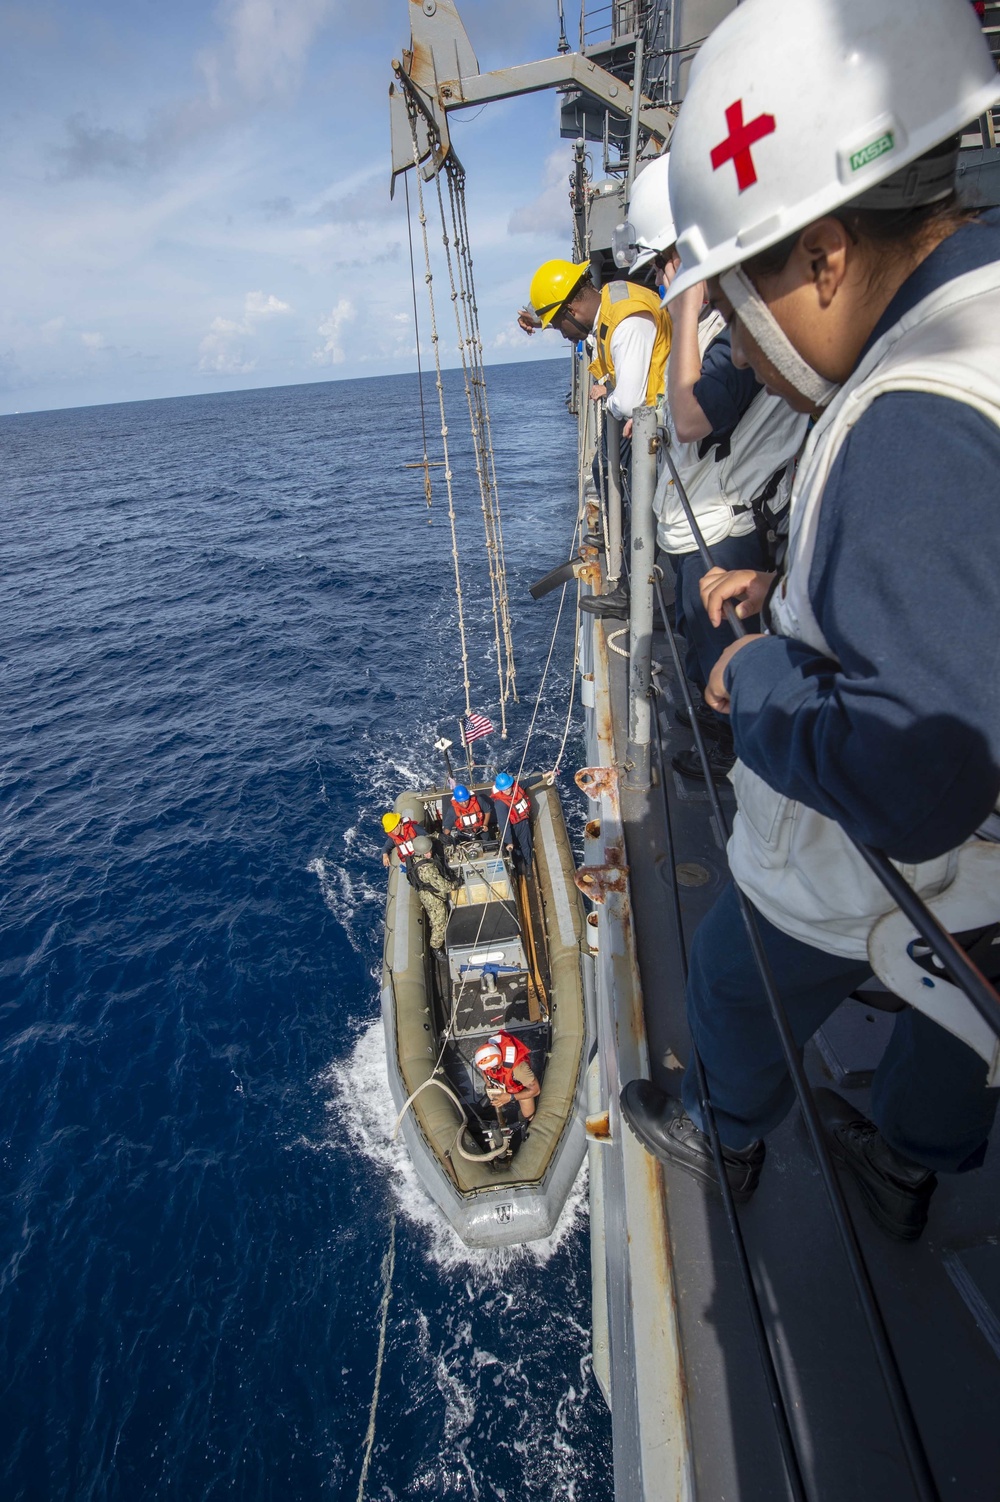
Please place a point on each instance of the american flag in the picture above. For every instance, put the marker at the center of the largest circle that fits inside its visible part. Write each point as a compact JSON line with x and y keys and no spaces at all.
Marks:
{"x":474,"y":726}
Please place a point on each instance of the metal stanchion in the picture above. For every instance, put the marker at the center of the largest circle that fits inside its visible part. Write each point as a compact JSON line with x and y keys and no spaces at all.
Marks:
{"x":643,"y":557}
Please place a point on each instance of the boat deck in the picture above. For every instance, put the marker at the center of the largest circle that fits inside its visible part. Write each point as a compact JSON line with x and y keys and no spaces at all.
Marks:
{"x":940,"y":1297}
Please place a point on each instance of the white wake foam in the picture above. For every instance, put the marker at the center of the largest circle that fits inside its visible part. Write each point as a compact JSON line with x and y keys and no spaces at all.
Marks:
{"x":353,"y":900}
{"x":361,"y":1116}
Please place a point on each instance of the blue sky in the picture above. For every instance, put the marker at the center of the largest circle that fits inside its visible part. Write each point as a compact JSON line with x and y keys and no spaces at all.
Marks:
{"x":195,"y":197}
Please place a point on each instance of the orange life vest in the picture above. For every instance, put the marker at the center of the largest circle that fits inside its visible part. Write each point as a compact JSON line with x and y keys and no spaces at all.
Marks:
{"x":403,"y":836}
{"x":470,"y":815}
{"x":517,"y":801}
{"x":512,"y":1053}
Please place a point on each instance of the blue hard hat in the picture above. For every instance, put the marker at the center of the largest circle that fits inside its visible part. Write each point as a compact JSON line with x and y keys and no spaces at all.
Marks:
{"x":503,"y":782}
{"x":460,"y":793}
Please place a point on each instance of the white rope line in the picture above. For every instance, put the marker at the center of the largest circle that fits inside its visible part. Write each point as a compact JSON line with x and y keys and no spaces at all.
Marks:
{"x":496,"y":1152}
{"x":429,"y":279}
{"x":470,"y":352}
{"x":388,"y":1269}
{"x":488,"y":430}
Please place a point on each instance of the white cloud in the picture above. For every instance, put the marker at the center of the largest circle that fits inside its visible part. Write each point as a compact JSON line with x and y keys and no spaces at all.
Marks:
{"x":259,"y":60}
{"x":331,"y":327}
{"x":222,"y":350}
{"x":51,"y":329}
{"x":266,"y":43}
{"x":513,"y":338}
{"x":549,"y":212}
{"x":93,"y":341}
{"x":256,"y":305}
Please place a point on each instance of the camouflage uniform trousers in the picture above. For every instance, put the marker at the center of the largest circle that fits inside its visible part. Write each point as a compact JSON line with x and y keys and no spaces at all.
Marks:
{"x":434,"y":889}
{"x":437,"y":912}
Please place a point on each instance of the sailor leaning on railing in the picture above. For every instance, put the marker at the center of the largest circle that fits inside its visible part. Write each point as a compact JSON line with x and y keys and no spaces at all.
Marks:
{"x":811,"y":184}
{"x":628,"y":330}
{"x":733,"y":444}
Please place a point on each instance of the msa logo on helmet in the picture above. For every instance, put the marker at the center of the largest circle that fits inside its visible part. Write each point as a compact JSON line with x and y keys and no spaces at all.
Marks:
{"x":873,"y":150}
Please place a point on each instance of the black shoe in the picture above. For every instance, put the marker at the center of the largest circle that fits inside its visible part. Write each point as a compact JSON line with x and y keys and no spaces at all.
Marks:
{"x":615,"y":604}
{"x":665,"y":1130}
{"x":708,"y":722}
{"x":895,"y":1190}
{"x":721,"y":759}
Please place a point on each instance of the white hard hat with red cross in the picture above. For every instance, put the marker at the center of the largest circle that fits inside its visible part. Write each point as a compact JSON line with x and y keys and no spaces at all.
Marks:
{"x":797,"y":107}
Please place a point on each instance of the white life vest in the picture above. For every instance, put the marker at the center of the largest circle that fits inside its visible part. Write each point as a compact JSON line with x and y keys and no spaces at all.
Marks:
{"x":767,"y":436}
{"x":798,"y":867}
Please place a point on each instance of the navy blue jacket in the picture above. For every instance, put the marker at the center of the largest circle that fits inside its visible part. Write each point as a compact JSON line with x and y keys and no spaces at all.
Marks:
{"x":449,"y":821}
{"x":901,"y":742}
{"x":722,"y":391}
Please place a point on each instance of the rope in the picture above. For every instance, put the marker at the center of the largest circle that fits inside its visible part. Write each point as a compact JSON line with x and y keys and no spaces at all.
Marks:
{"x":470,"y":353}
{"x":429,"y":279}
{"x":612,"y":642}
{"x":416,"y":334}
{"x":501,"y":557}
{"x":456,"y":1146}
{"x":388,"y":1268}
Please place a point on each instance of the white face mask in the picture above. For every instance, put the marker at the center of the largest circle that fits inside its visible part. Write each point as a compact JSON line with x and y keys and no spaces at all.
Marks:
{"x":764,"y":329}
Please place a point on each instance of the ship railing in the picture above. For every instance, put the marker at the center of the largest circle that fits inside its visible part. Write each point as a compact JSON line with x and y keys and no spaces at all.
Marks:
{"x":956,"y":963}
{"x":615,"y":22}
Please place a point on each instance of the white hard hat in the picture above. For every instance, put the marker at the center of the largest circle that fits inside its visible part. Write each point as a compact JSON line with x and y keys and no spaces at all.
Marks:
{"x":797,"y":107}
{"x":649,"y":212}
{"x":487,"y":1056}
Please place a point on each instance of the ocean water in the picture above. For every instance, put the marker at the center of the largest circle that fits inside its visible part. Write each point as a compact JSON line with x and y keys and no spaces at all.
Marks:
{"x":227,"y":640}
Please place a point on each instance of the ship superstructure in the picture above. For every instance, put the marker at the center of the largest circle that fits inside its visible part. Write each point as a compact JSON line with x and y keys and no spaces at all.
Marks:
{"x":786,"y":1349}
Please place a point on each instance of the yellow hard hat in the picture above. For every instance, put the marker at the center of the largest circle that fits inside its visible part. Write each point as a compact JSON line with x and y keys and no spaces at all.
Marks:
{"x":389,"y":822}
{"x":553,"y":284}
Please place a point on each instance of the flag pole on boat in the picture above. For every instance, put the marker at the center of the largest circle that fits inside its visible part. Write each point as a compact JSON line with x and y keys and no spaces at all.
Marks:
{"x":444,"y":746}
{"x":466,"y":746}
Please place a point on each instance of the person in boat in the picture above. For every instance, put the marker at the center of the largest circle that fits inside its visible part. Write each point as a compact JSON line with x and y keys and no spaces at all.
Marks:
{"x":733,"y":444}
{"x":469,"y":816}
{"x":434,"y":888}
{"x":631,"y":333}
{"x":514,"y":820}
{"x":503,"y":1064}
{"x":872,"y":301}
{"x":401,"y":831}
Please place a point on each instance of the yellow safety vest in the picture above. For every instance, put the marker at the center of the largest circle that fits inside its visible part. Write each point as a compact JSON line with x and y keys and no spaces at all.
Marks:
{"x":623,"y":300}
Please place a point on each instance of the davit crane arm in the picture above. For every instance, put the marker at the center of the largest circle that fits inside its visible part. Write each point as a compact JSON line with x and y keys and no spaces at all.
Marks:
{"x":441,"y":72}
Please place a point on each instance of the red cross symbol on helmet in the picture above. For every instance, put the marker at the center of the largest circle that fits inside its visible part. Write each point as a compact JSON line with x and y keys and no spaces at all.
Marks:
{"x":736,"y":147}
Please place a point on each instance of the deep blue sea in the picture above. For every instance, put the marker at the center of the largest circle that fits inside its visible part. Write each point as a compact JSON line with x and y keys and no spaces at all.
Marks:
{"x":227,"y":641}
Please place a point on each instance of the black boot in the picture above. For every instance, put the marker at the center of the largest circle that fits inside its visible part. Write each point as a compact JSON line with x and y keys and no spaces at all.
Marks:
{"x":895,"y":1190}
{"x":615,"y":604}
{"x":708,"y":721}
{"x":721,"y":758}
{"x":665,"y":1130}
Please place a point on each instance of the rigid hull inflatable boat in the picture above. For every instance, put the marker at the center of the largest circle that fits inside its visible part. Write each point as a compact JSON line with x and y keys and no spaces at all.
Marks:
{"x":514,"y":962}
